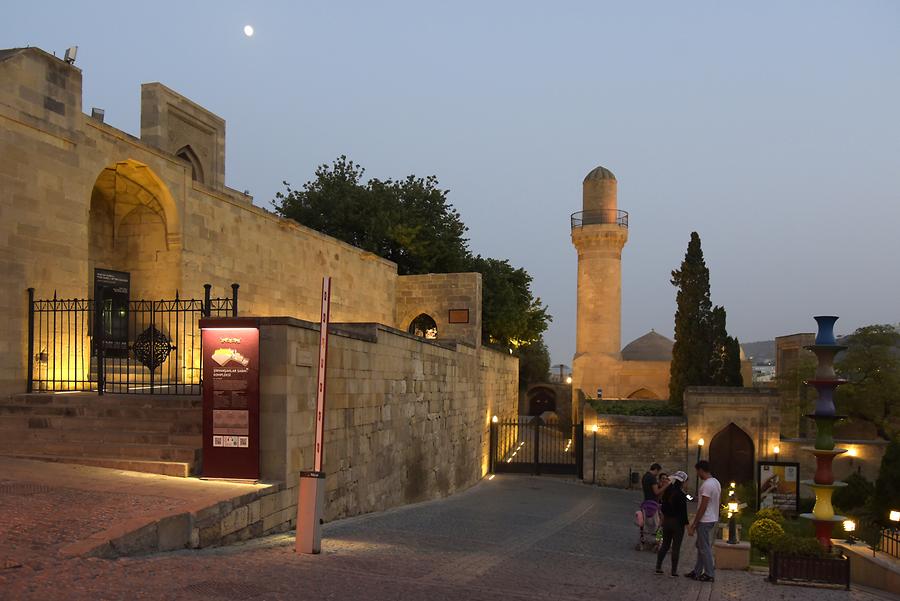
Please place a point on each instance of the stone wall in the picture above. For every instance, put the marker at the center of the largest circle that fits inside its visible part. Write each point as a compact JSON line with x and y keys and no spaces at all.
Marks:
{"x":76,"y":193}
{"x":437,"y":294}
{"x":627,"y":443}
{"x":406,"y":419}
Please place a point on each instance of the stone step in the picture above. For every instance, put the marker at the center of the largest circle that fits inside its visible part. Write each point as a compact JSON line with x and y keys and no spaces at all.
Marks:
{"x":166,"y":468}
{"x":100,"y":436}
{"x":24,"y":420}
{"x":106,"y":400}
{"x":132,"y":451}
{"x":172,"y":415}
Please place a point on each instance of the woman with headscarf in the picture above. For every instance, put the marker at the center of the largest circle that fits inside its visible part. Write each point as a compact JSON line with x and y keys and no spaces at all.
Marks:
{"x":675,"y":518}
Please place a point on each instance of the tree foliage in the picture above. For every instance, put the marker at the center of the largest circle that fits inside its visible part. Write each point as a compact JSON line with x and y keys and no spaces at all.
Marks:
{"x":887,"y":486}
{"x":703,"y":354}
{"x":871,"y":363}
{"x":410,"y":222}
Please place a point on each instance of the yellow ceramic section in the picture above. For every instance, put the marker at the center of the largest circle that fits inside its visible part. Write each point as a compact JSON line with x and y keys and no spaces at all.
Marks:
{"x":823,"y":509}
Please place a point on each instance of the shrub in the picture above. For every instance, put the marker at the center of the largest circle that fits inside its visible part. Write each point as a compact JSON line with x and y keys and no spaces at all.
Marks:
{"x":746,"y":493}
{"x":764,"y":533}
{"x":771,"y":513}
{"x":855,"y":495}
{"x":644,"y":408}
{"x":797,"y":546}
{"x":887,"y":486}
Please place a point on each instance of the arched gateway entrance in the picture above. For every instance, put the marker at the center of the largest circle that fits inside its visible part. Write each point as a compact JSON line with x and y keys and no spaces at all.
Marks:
{"x":731,"y":455}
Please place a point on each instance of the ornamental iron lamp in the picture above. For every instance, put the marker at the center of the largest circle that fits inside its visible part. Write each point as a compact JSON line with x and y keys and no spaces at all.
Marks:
{"x":732,"y":526}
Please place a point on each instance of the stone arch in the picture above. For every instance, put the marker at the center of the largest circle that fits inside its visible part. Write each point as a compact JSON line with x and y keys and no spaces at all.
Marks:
{"x":732,"y":456}
{"x":541,"y":399}
{"x":643,"y":394}
{"x":134,"y":226}
{"x":423,"y":326}
{"x":187,"y":153}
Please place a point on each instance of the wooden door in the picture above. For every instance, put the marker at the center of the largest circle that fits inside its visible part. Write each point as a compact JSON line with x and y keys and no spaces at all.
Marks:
{"x":731,"y":456}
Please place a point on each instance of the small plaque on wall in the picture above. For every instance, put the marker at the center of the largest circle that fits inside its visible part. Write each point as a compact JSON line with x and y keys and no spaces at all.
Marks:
{"x":459,"y":316}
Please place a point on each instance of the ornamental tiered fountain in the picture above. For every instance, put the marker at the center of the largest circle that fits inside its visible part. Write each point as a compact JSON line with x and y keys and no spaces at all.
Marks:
{"x":825,"y":383}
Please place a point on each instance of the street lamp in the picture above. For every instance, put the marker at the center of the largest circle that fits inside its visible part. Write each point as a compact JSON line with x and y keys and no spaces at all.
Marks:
{"x":594,"y":429}
{"x":732,"y":527}
{"x":568,"y":379}
{"x":849,"y":528}
{"x":777,"y":450}
{"x":894,"y":516}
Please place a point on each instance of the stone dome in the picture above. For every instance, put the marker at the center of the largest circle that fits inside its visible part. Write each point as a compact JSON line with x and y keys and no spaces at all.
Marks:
{"x":649,"y":347}
{"x":598,"y":174}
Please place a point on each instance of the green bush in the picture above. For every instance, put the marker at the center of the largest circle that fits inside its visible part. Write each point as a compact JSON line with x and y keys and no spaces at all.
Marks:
{"x":855,"y":495}
{"x":797,"y":546}
{"x":643,"y":408}
{"x":806,"y":504}
{"x":887,"y":486}
{"x":763,"y":533}
{"x":771,"y":513}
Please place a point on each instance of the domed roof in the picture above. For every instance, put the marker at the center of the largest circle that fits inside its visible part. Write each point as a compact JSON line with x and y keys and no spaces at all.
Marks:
{"x":649,"y":347}
{"x":599,"y":173}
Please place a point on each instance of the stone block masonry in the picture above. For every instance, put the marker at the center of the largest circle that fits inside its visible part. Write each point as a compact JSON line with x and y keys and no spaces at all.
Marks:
{"x":406,"y":419}
{"x":631,"y":443}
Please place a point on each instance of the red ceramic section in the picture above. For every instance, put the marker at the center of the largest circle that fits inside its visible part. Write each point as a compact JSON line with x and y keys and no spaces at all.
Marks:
{"x":824,"y":474}
{"x":823,"y":533}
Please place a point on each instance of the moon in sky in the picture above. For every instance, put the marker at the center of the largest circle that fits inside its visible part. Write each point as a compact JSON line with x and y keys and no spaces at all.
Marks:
{"x":248,"y":30}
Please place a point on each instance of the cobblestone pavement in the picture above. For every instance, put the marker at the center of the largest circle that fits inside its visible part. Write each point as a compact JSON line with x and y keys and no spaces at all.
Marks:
{"x":46,"y":506}
{"x":513,"y":538}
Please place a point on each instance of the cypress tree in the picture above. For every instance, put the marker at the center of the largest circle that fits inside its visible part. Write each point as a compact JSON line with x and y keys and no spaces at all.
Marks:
{"x":725,"y":355}
{"x":691,"y":353}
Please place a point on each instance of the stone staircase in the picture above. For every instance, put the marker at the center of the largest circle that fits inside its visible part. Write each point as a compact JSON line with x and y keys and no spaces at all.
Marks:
{"x":144,"y":433}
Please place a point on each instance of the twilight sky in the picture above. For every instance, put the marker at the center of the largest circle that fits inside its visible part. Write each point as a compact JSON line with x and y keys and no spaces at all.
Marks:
{"x":772,"y":129}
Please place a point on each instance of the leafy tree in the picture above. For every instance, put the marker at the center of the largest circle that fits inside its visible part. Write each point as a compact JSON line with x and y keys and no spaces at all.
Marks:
{"x":871,"y":363}
{"x":725,"y":359}
{"x":796,"y":396}
{"x":703,"y":354}
{"x":411,"y":223}
{"x":534,"y":363}
{"x":887,"y":486}
{"x":691,"y":353}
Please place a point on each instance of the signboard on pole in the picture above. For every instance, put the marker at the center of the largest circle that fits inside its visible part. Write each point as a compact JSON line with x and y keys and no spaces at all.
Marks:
{"x":779,"y":485}
{"x":230,"y":398}
{"x":322,"y":365}
{"x":311,"y":501}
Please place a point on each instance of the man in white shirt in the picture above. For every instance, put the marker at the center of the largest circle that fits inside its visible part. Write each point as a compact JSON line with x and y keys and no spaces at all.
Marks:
{"x":704,"y":523}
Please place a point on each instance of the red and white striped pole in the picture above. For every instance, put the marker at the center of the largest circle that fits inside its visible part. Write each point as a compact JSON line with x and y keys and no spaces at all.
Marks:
{"x":311,"y":501}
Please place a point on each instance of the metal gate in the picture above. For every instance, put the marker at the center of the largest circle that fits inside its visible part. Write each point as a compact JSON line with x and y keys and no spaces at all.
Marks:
{"x":529,"y":445}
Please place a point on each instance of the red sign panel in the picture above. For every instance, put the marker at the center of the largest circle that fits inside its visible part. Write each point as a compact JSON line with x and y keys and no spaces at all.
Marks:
{"x":230,"y":398}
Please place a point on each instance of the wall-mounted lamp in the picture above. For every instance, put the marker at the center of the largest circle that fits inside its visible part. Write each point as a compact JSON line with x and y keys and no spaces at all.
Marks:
{"x":777,"y":450}
{"x":568,"y":379}
{"x":894,"y":516}
{"x":494,"y":420}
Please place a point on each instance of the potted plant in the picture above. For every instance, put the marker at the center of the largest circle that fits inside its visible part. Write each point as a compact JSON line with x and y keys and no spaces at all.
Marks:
{"x":802,"y":560}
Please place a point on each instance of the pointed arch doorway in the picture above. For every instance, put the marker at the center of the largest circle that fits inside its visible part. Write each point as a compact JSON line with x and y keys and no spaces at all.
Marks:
{"x":731,"y":455}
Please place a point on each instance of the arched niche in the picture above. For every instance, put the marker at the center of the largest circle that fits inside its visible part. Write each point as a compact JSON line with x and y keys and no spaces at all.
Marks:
{"x":187,"y":153}
{"x":134,"y":226}
{"x":423,"y":326}
{"x":731,"y":455}
{"x":643,"y":394}
{"x":541,"y":399}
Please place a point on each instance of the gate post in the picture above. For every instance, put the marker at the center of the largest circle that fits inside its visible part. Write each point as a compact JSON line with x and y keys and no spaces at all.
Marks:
{"x":30,"y":383}
{"x":234,"y":299}
{"x":99,"y":344}
{"x":579,"y":450}
{"x":492,"y":444}
{"x":537,"y":445}
{"x":206,"y":300}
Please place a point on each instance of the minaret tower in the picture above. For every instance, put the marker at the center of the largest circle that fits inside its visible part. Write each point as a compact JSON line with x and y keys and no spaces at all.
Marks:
{"x":599,"y":233}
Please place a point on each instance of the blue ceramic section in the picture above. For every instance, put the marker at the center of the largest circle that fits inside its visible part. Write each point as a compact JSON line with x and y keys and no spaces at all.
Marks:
{"x":825,"y":402}
{"x":826,"y":329}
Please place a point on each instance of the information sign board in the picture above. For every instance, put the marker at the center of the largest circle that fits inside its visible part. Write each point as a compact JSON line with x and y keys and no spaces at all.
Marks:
{"x":230,"y":398}
{"x":779,"y":485}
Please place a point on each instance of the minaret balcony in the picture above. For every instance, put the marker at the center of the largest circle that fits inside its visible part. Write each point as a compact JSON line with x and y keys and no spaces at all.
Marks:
{"x":600,"y":217}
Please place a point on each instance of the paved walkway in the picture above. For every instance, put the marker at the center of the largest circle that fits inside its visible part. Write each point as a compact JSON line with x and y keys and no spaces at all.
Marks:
{"x":49,"y":511}
{"x":513,"y":538}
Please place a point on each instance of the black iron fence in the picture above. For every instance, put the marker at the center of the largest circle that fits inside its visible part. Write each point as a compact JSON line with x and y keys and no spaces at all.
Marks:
{"x":148,"y":347}
{"x":530,"y":445}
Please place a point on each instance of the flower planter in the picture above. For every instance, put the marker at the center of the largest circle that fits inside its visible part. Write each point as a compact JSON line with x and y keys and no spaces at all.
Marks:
{"x":809,"y":570}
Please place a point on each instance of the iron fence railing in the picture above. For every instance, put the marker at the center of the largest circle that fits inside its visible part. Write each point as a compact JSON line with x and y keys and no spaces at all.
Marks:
{"x":600,"y":217}
{"x":149,"y":347}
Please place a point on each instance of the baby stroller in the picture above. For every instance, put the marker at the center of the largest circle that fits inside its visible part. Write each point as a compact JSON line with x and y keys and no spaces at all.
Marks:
{"x":647,"y":519}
